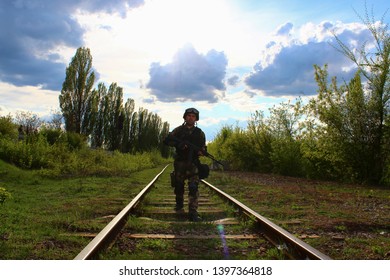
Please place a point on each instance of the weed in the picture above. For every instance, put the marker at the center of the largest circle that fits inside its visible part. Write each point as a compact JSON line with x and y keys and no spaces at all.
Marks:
{"x":152,"y":245}
{"x":274,"y":254}
{"x":340,"y":228}
{"x":379,"y":250}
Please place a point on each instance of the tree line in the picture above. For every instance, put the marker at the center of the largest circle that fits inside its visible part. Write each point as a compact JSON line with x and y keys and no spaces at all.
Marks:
{"x":101,"y":115}
{"x":90,"y":117}
{"x":343,"y":133}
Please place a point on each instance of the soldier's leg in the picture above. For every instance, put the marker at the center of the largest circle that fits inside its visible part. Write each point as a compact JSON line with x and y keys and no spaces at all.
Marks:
{"x":180,"y":177}
{"x":193,"y":196}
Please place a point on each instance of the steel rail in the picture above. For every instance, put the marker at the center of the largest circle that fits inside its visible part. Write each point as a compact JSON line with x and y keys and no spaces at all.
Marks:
{"x":115,"y":225}
{"x":284,"y":240}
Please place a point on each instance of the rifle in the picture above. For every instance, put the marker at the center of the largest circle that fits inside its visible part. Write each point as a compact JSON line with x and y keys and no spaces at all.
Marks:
{"x":195,"y":148}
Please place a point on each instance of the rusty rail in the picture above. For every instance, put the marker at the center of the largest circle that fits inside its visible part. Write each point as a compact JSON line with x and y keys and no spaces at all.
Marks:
{"x":116,"y":224}
{"x":284,"y":240}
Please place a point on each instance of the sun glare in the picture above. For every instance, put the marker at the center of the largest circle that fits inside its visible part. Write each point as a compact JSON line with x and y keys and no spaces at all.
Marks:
{"x":158,"y":29}
{"x":168,"y":25}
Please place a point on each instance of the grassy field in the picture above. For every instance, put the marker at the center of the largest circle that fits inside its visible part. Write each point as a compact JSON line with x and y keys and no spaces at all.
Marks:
{"x":345,"y":222}
{"x":35,"y":220}
{"x":342,"y":221}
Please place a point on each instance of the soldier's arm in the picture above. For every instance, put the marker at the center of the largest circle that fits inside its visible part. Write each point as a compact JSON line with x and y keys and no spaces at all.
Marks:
{"x":169,"y":140}
{"x":203,"y":145}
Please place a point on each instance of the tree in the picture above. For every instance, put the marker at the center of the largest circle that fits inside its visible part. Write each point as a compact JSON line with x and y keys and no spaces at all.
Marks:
{"x":8,"y":129}
{"x":374,"y":65}
{"x":286,"y":155}
{"x":164,"y":149}
{"x":261,"y":138}
{"x":97,"y":139}
{"x":114,"y":117}
{"x":348,"y":134}
{"x":127,"y":126}
{"x":28,"y":122}
{"x":56,"y":120}
{"x":77,"y":102}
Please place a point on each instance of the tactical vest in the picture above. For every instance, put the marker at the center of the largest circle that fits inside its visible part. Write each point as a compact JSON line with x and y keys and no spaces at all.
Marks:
{"x":195,"y":138}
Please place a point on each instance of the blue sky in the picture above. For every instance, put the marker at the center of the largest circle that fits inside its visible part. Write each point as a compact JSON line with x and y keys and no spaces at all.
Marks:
{"x":228,"y":58}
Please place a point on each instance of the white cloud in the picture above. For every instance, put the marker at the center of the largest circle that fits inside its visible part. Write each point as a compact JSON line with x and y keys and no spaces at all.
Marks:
{"x":286,"y":65}
{"x":27,"y":98}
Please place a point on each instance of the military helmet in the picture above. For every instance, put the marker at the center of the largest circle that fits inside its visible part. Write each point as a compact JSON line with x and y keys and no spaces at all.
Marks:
{"x":191,"y":111}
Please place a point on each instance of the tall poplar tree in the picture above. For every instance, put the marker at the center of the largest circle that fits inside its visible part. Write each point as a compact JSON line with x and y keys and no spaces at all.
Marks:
{"x":114,"y":117}
{"x":127,"y":138}
{"x":76,"y":99}
{"x":97,"y":138}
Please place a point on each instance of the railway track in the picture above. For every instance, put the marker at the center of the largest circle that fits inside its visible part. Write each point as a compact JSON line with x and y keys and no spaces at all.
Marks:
{"x":149,"y":228}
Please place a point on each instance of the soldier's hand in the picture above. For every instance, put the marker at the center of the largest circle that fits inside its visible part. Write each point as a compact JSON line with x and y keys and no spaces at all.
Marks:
{"x":201,"y":152}
{"x":182,"y":146}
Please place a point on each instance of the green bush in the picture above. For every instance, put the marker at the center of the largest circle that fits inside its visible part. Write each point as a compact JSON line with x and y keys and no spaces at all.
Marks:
{"x":74,"y":140}
{"x":30,"y":153}
{"x":286,"y":157}
{"x":7,"y":128}
{"x":97,"y":162}
{"x":52,"y":136}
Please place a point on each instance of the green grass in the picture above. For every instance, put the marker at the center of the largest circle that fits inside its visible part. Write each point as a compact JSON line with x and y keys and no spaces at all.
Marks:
{"x":42,"y":215}
{"x":356,"y":213}
{"x":37,"y":220}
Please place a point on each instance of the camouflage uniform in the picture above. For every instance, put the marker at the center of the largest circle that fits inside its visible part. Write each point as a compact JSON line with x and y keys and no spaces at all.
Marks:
{"x":186,"y":166}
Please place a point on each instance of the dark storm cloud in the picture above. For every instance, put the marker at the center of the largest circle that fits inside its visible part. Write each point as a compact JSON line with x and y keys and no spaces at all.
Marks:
{"x":30,"y":29}
{"x":190,"y":76}
{"x":292,"y":72}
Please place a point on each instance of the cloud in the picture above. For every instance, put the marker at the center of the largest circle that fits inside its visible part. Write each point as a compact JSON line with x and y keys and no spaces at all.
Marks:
{"x":190,"y":76}
{"x":285,"y":29}
{"x":31,"y":33}
{"x":233,"y":80}
{"x":286,"y":68}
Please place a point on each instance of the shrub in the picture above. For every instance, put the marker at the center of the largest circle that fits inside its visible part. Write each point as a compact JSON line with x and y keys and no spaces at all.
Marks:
{"x":286,"y":157}
{"x":51,"y":135}
{"x":7,"y":128}
{"x":30,"y":153}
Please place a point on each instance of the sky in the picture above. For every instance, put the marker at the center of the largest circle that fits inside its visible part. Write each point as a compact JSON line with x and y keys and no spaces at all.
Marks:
{"x":227,"y":58}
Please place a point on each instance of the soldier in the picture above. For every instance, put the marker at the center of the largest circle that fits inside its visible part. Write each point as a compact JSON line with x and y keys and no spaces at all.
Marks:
{"x":187,"y":161}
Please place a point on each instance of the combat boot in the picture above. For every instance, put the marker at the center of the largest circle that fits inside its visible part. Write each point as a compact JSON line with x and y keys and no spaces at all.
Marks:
{"x":194,"y":217}
{"x":179,"y":203}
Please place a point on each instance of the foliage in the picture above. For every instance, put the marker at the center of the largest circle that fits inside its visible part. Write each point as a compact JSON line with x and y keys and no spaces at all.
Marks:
{"x":285,"y":152}
{"x":261,"y":137}
{"x":101,"y":115}
{"x":119,"y":127}
{"x":349,"y":126}
{"x":76,"y":99}
{"x":4,"y":194}
{"x":94,"y":119}
{"x":374,"y":64}
{"x":343,"y":133}
{"x":58,"y":154}
{"x":8,"y":129}
{"x":234,"y":147}
{"x":268,"y":144}
{"x":31,"y":152}
{"x":28,"y":122}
